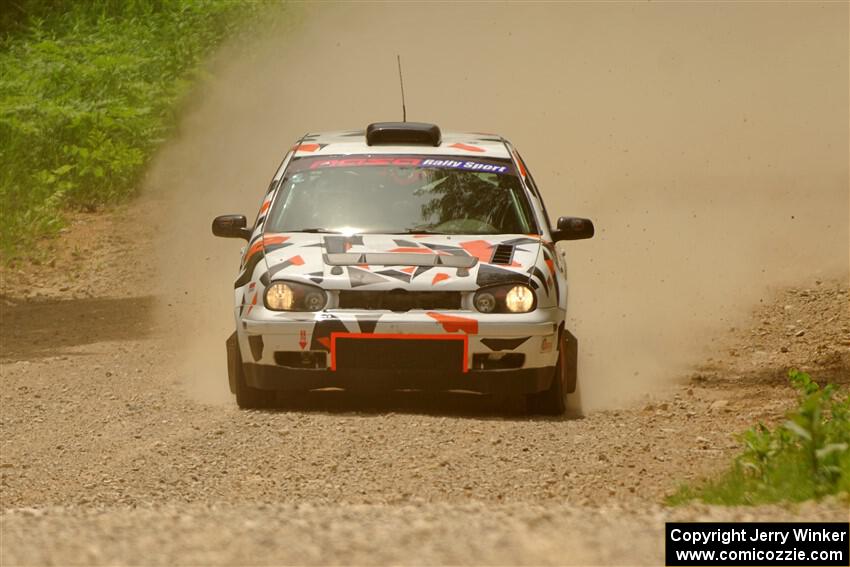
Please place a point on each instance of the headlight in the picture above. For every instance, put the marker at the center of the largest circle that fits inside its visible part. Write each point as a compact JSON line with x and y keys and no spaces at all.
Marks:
{"x":514,"y":298}
{"x":485,"y":302}
{"x":519,"y":299}
{"x":292,"y":296}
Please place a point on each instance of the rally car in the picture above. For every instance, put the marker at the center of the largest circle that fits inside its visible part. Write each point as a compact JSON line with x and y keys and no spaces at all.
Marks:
{"x":402,"y":258}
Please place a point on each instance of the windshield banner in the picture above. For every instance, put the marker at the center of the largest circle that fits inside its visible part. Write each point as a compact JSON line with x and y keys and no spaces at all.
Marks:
{"x":501,"y":167}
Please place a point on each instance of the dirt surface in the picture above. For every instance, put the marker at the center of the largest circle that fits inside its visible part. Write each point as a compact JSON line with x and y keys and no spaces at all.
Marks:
{"x":108,"y":459}
{"x":721,"y":261}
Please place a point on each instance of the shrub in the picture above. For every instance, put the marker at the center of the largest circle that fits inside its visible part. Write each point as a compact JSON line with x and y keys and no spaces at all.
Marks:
{"x":88,"y":91}
{"x":806,"y":457}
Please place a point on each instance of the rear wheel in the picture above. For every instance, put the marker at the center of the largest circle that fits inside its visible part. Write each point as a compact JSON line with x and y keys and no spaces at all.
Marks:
{"x":553,"y":401}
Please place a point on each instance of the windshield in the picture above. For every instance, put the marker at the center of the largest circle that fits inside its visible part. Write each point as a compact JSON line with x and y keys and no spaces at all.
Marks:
{"x":401,"y":194}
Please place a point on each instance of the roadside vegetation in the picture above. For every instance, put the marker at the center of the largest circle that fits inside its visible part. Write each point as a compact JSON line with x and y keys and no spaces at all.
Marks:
{"x":89,"y":89}
{"x":805,"y":457}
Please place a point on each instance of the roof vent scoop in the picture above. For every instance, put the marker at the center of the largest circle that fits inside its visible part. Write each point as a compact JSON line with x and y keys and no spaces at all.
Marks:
{"x":413,"y":133}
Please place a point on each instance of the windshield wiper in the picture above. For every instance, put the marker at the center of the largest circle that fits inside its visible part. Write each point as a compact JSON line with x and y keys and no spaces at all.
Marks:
{"x":417,"y":231}
{"x":390,"y":231}
{"x":317,"y":230}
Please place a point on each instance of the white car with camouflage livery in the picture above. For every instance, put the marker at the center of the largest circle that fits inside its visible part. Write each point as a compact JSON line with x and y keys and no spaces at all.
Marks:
{"x":402,"y":258}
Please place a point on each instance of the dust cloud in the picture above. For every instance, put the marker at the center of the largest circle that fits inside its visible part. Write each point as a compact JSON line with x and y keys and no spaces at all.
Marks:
{"x":709,"y":143}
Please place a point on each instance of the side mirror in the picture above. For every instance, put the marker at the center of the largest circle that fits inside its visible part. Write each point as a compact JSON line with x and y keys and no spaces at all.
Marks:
{"x":231,"y":226}
{"x":573,"y":228}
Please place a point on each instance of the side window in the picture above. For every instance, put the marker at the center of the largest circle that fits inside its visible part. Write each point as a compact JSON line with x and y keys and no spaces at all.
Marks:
{"x":276,"y":181}
{"x":264,"y":205}
{"x":530,"y":180}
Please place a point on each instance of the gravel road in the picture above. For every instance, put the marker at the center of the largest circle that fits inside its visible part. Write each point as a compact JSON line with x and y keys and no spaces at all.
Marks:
{"x":107,"y":457}
{"x":708,"y":142}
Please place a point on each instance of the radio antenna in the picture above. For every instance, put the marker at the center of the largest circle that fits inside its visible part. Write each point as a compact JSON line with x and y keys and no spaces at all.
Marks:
{"x":401,"y":82}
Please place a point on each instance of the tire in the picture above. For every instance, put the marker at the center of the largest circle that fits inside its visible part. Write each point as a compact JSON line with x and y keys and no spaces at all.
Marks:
{"x":570,"y":344}
{"x":246,"y":396}
{"x":553,"y":401}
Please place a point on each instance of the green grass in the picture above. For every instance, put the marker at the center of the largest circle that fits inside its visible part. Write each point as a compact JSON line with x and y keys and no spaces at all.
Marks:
{"x":89,"y":89}
{"x":806,"y":457}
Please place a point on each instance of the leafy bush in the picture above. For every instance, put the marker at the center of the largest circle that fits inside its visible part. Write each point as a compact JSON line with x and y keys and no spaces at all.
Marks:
{"x":88,"y":91}
{"x":807,"y":457}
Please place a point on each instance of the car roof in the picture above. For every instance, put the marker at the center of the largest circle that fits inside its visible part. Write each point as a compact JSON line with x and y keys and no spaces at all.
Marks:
{"x":353,"y":142}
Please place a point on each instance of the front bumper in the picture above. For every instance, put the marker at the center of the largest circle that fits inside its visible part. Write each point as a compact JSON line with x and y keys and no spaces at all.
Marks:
{"x":520,"y":381}
{"x":500,"y":352}
{"x":532,"y":334}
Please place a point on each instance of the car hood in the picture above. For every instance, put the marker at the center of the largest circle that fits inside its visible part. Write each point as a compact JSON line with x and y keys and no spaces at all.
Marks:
{"x":390,"y":261}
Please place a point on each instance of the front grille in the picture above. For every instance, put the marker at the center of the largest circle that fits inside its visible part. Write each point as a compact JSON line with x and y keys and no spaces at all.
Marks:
{"x":309,"y":359}
{"x":497,"y":361}
{"x":437,"y":355}
{"x":399,"y":300}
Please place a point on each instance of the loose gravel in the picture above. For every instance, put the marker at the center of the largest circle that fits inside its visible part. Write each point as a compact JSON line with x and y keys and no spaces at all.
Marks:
{"x":107,"y":459}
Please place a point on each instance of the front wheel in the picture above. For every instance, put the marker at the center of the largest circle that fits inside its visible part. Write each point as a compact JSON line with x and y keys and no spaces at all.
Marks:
{"x":246,"y":396}
{"x":553,"y":401}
